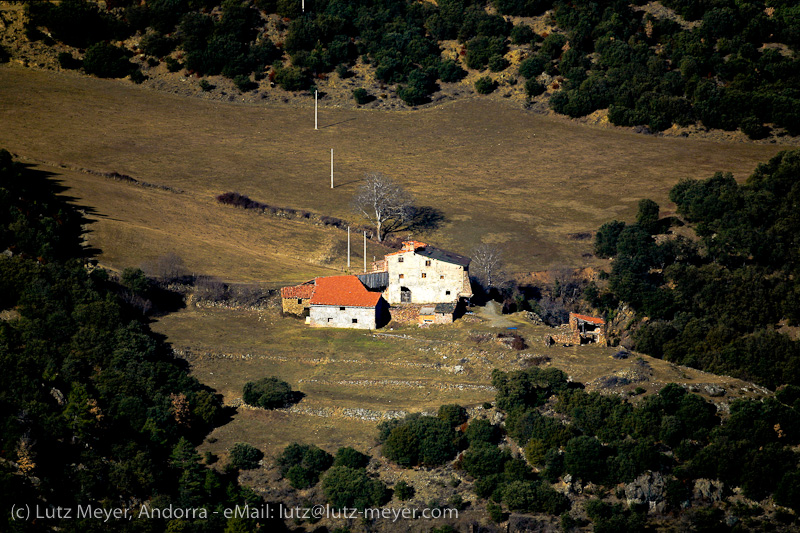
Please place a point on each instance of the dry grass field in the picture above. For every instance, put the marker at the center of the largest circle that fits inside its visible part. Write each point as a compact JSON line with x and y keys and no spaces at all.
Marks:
{"x":351,"y":379}
{"x":499,"y":174}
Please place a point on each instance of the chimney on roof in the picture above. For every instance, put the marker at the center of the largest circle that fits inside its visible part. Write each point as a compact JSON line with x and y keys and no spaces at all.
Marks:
{"x":410,"y":246}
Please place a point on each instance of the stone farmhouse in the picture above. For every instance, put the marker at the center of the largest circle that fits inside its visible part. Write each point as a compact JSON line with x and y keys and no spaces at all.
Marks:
{"x":424,"y":283}
{"x":423,"y":274}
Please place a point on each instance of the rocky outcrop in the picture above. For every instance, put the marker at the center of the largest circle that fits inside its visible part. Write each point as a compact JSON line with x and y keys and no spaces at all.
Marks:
{"x":708,"y":490}
{"x":648,"y":488}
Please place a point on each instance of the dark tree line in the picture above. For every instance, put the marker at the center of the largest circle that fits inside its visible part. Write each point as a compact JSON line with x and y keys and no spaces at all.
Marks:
{"x":94,"y":409}
{"x":646,"y":71}
{"x":715,"y":303}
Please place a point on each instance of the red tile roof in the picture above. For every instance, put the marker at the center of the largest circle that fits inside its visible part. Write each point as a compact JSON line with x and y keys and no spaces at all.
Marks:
{"x":304,"y":290}
{"x":587,"y":318}
{"x":346,"y":291}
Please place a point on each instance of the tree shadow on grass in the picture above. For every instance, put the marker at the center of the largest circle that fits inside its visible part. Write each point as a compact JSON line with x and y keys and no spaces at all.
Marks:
{"x":420,"y":220}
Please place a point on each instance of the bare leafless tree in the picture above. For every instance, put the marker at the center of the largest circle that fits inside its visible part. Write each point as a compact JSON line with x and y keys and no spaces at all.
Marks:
{"x":487,"y":264}
{"x":384,"y":202}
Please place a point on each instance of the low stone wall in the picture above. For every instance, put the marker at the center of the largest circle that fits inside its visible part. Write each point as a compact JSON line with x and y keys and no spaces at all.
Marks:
{"x":406,"y":313}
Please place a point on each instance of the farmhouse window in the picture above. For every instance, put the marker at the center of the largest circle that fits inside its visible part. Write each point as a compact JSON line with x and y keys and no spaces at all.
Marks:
{"x":299,"y":300}
{"x":355,"y":321}
{"x":400,"y":259}
{"x":424,"y":275}
{"x":402,"y":276}
{"x":341,"y":309}
{"x":428,"y":263}
{"x":447,"y":293}
{"x":441,"y":277}
{"x":330,"y":320}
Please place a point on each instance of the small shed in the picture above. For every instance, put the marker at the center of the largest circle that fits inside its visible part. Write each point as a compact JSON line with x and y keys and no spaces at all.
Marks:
{"x":441,"y":313}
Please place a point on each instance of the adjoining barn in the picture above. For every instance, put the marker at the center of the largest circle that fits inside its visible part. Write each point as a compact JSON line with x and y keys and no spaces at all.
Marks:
{"x":344,"y":302}
{"x":294,"y":300}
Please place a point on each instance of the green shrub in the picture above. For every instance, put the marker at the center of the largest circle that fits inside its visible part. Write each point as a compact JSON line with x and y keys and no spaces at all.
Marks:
{"x":453,"y":414}
{"x":292,"y":78}
{"x":420,"y":86}
{"x":481,"y":49}
{"x":585,"y":458}
{"x":157,"y":45}
{"x":523,"y":34}
{"x":404,"y":491}
{"x":605,"y":241}
{"x":66,"y":61}
{"x":135,"y":280}
{"x":350,"y":458}
{"x":496,"y":513}
{"x":498,"y":63}
{"x":533,"y":88}
{"x":647,"y":216}
{"x":418,"y":440}
{"x":353,"y":488}
{"x":361,"y":96}
{"x":485,"y":85}
{"x":205,"y":86}
{"x":173,"y":65}
{"x":137,"y":76}
{"x":269,"y":393}
{"x":107,"y":61}
{"x":754,"y":128}
{"x":245,"y":456}
{"x":343,"y":71}
{"x":244,"y":83}
{"x":534,"y":497}
{"x":482,"y":431}
{"x":450,"y":71}
{"x":484,"y":460}
{"x":302,"y":464}
{"x":532,"y":67}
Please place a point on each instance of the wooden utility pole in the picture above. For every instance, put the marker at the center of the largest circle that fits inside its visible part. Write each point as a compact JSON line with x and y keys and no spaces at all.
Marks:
{"x":331,"y":168}
{"x":365,"y":251}
{"x":316,"y":110}
{"x":348,"y":247}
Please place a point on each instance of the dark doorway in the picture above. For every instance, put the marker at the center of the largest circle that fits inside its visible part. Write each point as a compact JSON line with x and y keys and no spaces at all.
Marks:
{"x":405,"y":295}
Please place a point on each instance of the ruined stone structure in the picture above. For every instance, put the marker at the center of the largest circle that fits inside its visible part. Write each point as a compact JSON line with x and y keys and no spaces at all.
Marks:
{"x":583,"y":329}
{"x":344,"y":302}
{"x":422,"y":274}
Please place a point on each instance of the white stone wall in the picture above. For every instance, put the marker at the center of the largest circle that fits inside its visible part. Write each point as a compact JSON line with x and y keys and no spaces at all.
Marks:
{"x":439,"y":278}
{"x":334,"y":317}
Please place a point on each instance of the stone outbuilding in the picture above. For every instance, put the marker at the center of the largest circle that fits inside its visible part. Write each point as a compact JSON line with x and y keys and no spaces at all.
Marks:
{"x":581,"y":329}
{"x":294,"y":300}
{"x":344,"y":302}
{"x":442,"y":313}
